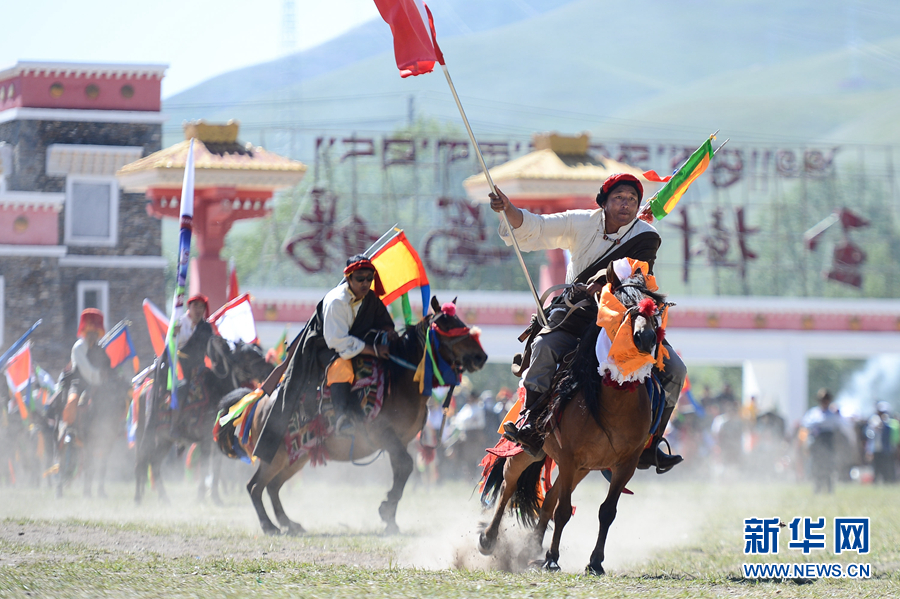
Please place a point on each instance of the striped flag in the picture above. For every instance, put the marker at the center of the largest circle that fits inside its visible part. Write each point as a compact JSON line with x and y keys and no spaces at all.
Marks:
{"x":400,"y":270}
{"x":184,"y":253}
{"x":18,"y":377}
{"x":666,"y":198}
{"x":415,"y":44}
{"x":281,"y":347}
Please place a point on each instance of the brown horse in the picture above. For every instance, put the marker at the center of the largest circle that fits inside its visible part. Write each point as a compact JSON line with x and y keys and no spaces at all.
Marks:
{"x":159,"y":428}
{"x":401,"y":418}
{"x":598,"y":427}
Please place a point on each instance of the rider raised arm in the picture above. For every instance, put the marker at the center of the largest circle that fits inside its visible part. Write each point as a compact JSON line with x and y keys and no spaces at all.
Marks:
{"x":350,"y":312}
{"x":594,"y":238}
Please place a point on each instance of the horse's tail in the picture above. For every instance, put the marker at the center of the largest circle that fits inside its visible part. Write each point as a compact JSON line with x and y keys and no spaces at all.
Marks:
{"x":224,"y":434}
{"x":583,"y":375}
{"x":491,"y":479}
{"x":529,"y":494}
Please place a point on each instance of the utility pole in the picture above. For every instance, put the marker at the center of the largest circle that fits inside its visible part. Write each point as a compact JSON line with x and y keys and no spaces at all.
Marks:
{"x":288,"y":27}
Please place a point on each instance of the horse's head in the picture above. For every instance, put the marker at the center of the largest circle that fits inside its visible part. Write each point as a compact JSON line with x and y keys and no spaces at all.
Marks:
{"x":244,"y":364}
{"x":459,"y":345}
{"x":644,"y":307}
{"x":250,"y":363}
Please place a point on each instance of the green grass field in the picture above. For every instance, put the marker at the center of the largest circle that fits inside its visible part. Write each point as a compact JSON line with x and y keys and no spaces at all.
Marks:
{"x":672,"y":538}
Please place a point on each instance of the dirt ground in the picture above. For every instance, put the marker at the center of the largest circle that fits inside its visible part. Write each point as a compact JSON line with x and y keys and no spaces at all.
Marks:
{"x":338,"y":506}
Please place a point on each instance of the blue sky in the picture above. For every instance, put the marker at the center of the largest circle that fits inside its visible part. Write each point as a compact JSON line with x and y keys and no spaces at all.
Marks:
{"x":198,"y":39}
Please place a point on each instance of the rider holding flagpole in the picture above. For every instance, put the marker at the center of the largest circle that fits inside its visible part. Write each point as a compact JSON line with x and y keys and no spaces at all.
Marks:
{"x":595,"y":238}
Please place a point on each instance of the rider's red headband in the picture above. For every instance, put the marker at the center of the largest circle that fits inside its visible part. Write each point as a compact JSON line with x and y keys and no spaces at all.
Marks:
{"x":366,"y":265}
{"x":91,"y":320}
{"x":200,"y":298}
{"x":618,"y":179}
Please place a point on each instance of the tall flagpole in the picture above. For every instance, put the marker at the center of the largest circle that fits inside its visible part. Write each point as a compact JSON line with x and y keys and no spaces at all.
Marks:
{"x":487,"y":174}
{"x":184,"y":253}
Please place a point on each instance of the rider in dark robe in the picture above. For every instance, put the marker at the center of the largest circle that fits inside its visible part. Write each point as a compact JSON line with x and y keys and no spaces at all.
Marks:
{"x":192,"y":335}
{"x":345,"y":324}
{"x":594,"y":238}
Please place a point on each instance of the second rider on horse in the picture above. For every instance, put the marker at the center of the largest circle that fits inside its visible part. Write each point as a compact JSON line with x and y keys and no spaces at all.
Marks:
{"x":350,"y":312}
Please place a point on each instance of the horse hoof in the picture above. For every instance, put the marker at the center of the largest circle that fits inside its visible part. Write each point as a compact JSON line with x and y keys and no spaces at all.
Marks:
{"x":550,"y":565}
{"x":592,"y":571}
{"x":295,"y":530}
{"x":485,"y":545}
{"x":392,"y":529}
{"x":271,"y":530}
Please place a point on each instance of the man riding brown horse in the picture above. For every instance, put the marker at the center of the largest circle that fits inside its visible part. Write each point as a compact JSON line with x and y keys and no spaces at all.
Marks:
{"x":594,"y":238}
{"x":346,"y":326}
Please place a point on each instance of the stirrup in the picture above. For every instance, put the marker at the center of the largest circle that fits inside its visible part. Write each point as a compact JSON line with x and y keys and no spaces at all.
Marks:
{"x":660,"y":469}
{"x":533,"y":447}
{"x":345,"y":425}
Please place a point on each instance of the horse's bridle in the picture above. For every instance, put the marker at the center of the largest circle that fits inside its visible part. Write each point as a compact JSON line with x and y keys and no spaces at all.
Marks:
{"x":635,"y":309}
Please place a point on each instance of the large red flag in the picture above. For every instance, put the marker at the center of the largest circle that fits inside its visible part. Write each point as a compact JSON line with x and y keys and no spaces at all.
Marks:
{"x":157,"y":326}
{"x":415,"y":44}
{"x":234,"y":289}
{"x":18,"y":375}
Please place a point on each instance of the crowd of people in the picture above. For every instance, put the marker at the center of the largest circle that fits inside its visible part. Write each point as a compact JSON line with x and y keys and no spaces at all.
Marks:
{"x":720,"y":437}
{"x":725,"y":438}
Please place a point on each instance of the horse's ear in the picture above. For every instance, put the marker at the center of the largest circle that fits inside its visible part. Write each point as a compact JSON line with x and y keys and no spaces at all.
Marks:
{"x":435,"y":305}
{"x":454,"y":300}
{"x":611,"y":277}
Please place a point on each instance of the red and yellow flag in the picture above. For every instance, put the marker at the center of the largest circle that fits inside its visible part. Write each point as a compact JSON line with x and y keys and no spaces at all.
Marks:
{"x":400,"y":269}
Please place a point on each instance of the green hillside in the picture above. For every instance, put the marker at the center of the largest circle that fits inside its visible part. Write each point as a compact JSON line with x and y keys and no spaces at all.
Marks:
{"x":761,"y":69}
{"x":767,"y":74}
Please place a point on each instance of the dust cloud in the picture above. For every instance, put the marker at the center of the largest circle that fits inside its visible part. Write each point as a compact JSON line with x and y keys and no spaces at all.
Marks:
{"x":439,"y":523}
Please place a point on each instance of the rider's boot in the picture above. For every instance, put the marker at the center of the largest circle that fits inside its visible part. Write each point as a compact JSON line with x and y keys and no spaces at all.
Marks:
{"x":349,"y":411}
{"x":653,"y":455}
{"x":529,"y":435}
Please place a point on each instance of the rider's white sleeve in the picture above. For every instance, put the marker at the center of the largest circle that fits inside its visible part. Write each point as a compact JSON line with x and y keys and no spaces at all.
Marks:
{"x":90,"y":373}
{"x":338,"y":313}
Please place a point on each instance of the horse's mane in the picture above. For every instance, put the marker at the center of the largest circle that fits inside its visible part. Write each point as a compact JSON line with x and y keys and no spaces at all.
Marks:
{"x":406,"y":347}
{"x":582,"y":374}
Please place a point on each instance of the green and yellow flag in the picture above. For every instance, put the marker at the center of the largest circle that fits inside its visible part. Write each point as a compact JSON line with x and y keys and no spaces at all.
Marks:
{"x":666,"y":198}
{"x":281,"y":347}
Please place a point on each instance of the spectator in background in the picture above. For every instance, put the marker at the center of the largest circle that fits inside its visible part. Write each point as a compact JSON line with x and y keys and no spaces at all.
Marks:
{"x":826,"y":433}
{"x":728,"y":429}
{"x":883,"y":438}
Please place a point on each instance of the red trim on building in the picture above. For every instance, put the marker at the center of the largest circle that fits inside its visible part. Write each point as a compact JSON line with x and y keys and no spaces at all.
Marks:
{"x":300,"y":311}
{"x":81,"y":87}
